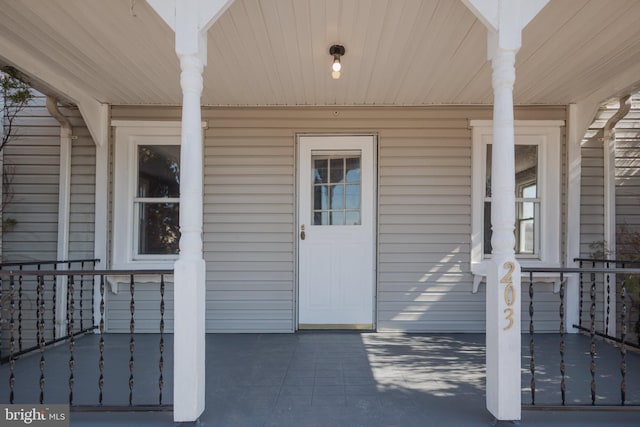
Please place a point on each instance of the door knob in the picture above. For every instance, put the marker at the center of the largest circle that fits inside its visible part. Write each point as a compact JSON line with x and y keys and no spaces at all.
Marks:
{"x":302,"y":233}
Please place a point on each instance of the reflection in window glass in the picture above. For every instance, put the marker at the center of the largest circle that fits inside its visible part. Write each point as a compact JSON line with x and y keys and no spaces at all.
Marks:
{"x":527,"y":200}
{"x":159,"y":231}
{"x":337,"y":170}
{"x":320,"y":168}
{"x":158,"y":171}
{"x":352,"y":196}
{"x":336,"y":190}
{"x":337,"y":197}
{"x":157,"y":203}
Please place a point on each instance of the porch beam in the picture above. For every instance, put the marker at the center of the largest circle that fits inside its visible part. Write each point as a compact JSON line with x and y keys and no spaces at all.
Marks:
{"x":505,"y":20}
{"x":92,"y":110}
{"x":190,"y":19}
{"x":618,"y":85}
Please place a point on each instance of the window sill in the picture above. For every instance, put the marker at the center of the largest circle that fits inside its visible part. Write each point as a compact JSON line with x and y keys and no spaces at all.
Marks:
{"x":157,"y":264}
{"x":124,"y":281}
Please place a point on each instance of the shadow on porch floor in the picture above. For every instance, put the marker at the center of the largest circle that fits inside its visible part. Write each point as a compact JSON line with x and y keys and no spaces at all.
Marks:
{"x":342,"y":379}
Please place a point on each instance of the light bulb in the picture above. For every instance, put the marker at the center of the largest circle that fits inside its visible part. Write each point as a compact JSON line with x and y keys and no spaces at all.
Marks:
{"x":335,"y":75}
{"x":336,"y":65}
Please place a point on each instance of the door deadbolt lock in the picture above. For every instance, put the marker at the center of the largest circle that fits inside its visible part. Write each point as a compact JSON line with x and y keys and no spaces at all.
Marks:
{"x":302,"y":233}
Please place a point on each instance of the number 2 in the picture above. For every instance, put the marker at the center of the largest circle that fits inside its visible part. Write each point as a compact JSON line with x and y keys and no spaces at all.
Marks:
{"x":507,"y":277}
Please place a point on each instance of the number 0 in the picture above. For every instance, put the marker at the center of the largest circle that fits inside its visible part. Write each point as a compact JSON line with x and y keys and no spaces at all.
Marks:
{"x":509,"y":295}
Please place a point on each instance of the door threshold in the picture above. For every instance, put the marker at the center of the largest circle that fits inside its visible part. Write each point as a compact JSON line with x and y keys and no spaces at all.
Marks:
{"x":335,"y":326}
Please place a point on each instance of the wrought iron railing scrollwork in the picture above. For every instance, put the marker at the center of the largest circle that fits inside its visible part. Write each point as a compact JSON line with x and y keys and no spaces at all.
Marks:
{"x":40,"y":286}
{"x":35,"y":290}
{"x":599,"y":291}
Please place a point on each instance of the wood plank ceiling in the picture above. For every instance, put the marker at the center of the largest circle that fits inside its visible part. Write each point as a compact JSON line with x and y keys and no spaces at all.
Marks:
{"x":275,"y":52}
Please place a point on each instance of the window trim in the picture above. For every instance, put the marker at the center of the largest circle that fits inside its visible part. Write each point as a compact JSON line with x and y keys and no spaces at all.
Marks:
{"x":128,"y":136}
{"x":546,"y":134}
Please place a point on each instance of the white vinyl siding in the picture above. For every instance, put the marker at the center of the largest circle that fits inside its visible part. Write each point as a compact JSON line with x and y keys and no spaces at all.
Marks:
{"x":31,"y":164}
{"x":82,"y":197}
{"x":249,"y":206}
{"x":424,"y":282}
{"x":424,"y":228}
{"x":591,"y":196}
{"x":592,"y":219}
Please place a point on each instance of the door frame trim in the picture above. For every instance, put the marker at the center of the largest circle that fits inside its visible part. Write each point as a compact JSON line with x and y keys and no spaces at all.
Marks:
{"x":375,"y":216}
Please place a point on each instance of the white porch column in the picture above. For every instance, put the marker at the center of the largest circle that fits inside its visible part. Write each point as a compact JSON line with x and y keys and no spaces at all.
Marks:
{"x":189,"y":270}
{"x":503,"y":270}
{"x":190,"y":19}
{"x":504,"y":20}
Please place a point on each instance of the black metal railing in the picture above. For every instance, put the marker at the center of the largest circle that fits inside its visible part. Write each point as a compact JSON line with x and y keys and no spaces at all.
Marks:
{"x":34,"y":302}
{"x":583,"y":371}
{"x":90,"y":356}
{"x":621,"y":304}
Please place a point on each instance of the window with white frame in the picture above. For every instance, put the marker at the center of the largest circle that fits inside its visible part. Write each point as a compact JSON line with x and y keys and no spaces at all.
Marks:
{"x":537,"y":187}
{"x":146,"y":194}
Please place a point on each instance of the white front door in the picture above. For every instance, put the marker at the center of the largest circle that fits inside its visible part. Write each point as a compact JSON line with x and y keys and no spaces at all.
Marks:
{"x":336,"y":231}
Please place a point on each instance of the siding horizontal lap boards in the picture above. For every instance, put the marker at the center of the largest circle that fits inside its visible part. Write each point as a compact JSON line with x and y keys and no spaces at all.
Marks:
{"x":592,"y":218}
{"x":32,"y":162}
{"x":424,"y":231}
{"x":249,"y":199}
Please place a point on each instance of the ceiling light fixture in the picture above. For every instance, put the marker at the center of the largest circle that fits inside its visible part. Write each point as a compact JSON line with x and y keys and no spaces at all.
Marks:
{"x":336,"y":51}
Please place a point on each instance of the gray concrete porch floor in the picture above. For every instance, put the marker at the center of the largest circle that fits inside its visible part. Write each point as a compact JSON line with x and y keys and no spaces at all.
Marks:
{"x":338,"y":379}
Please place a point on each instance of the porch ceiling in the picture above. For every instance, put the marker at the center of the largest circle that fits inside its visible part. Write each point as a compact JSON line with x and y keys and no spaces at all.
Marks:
{"x":275,"y":52}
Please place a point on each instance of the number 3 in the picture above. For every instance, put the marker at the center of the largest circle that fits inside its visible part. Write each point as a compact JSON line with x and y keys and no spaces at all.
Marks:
{"x":509,"y":312}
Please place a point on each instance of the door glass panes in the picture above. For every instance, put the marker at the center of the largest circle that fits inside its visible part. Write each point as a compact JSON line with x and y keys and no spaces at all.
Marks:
{"x":336,"y":190}
{"x":157,"y":201}
{"x":527,"y":200}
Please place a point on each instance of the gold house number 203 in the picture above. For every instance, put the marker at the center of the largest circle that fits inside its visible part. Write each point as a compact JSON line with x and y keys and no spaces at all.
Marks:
{"x":509,"y":293}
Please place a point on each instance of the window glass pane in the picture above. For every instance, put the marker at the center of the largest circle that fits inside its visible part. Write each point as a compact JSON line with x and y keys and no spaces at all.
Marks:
{"x":526,"y":240}
{"x":487,"y":182}
{"x":337,"y":218}
{"x":530,"y":192}
{"x":526,"y":227}
{"x":334,"y":201}
{"x":321,"y":197}
{"x":353,"y":169}
{"x":159,"y":228}
{"x":158,"y":171}
{"x":526,"y":158}
{"x":352,"y":218}
{"x":353,"y":197}
{"x":320,"y":218}
{"x":337,"y":170}
{"x":320,"y":171}
{"x":337,"y":197}
{"x":527,"y":210}
{"x":487,"y":227}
